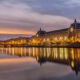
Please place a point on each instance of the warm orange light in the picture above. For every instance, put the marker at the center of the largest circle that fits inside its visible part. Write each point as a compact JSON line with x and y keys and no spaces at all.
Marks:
{"x":15,"y":31}
{"x":71,"y":29}
{"x":72,"y":54}
{"x":72,"y":64}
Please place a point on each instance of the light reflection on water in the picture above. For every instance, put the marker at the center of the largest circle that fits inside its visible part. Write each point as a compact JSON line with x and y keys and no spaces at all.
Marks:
{"x":49,"y":57}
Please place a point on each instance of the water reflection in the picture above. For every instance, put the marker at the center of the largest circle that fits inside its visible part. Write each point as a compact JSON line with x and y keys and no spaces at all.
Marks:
{"x":66,"y":56}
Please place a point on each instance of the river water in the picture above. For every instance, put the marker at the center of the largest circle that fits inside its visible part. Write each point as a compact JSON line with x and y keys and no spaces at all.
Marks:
{"x":34,"y":63}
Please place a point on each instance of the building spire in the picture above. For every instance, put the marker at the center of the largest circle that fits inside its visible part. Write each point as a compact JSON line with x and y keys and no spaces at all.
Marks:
{"x":75,"y":21}
{"x":40,"y":29}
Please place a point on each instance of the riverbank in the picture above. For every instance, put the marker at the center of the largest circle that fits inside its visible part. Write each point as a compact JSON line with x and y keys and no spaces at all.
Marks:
{"x":69,"y":45}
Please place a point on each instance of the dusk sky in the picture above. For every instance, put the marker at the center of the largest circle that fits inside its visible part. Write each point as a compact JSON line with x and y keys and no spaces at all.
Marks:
{"x":27,"y":16}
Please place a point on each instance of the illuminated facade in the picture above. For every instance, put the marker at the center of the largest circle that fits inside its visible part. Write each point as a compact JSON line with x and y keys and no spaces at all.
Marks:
{"x":16,"y":42}
{"x":61,"y":37}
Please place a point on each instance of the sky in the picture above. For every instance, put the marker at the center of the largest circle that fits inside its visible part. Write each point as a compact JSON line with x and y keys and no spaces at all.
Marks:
{"x":27,"y":16}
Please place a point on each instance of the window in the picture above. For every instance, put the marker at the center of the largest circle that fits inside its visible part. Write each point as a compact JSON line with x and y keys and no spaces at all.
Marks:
{"x":71,"y":29}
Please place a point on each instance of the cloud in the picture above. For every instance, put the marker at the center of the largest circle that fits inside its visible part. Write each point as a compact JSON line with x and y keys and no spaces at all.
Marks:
{"x":74,"y":1}
{"x":66,"y":8}
{"x":21,"y":16}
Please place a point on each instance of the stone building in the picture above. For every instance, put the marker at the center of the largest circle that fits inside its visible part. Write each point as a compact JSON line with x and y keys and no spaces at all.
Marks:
{"x":42,"y":38}
{"x":62,"y":36}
